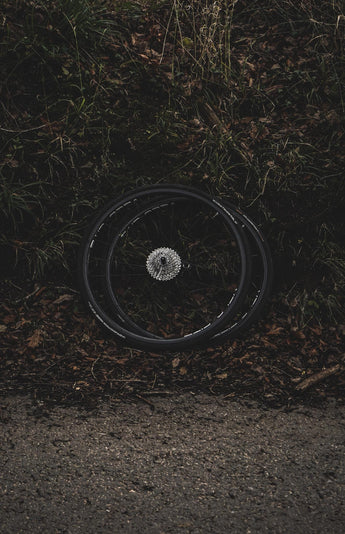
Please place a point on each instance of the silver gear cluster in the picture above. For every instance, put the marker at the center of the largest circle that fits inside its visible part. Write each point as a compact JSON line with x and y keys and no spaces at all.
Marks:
{"x":163,"y":264}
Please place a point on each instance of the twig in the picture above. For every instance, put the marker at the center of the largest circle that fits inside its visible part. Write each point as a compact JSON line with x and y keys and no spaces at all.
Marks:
{"x":37,"y":291}
{"x":24,"y":131}
{"x":146,"y":400}
{"x":158,"y":393}
{"x":92,"y":366}
{"x":127,"y":380}
{"x":318,"y":377}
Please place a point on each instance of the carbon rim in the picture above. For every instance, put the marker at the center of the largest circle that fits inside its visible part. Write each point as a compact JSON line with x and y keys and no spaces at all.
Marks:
{"x":257,"y":293}
{"x":97,"y":232}
{"x":195,"y":277}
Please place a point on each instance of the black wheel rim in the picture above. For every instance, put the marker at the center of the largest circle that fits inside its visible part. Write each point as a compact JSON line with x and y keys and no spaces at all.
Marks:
{"x":117,"y":325}
{"x":172,"y":268}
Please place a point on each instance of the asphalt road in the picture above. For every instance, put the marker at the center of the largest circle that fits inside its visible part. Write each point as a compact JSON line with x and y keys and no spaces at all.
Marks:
{"x":185,"y":464}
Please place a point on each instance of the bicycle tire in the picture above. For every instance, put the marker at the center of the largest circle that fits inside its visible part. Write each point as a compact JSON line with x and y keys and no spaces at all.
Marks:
{"x":128,"y":336}
{"x":261,"y":294}
{"x":189,"y":272}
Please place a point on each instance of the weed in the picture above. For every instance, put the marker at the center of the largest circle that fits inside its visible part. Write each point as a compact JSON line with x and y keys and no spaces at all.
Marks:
{"x":202,"y":32}
{"x":238,"y":97}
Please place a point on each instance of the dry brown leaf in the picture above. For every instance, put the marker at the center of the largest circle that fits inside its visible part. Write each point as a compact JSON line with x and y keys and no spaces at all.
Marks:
{"x":275,"y":331}
{"x":35,"y":339}
{"x":222,"y":376}
{"x":175,"y":362}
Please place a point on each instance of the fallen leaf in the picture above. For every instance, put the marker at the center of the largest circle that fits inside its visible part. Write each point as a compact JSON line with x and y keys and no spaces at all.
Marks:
{"x":35,"y":339}
{"x":222,"y":376}
{"x":275,"y":331}
{"x":175,"y":362}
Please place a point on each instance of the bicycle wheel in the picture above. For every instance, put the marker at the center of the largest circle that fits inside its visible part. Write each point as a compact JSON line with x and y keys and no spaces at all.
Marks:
{"x":195,"y":220}
{"x":257,"y":292}
{"x":192,"y":279}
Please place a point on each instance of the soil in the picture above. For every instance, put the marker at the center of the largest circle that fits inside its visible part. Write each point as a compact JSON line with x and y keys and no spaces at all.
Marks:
{"x":190,"y":463}
{"x":95,"y":437}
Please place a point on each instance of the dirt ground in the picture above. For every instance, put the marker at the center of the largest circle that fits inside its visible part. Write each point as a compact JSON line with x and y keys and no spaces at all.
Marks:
{"x":189,"y":463}
{"x":52,"y":349}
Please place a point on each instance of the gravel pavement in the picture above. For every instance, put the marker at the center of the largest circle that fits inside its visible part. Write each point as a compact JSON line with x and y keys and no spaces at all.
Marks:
{"x":179,"y":464}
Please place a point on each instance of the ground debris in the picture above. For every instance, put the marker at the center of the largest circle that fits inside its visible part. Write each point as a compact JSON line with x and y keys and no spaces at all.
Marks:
{"x":52,"y":349}
{"x":319,"y":377}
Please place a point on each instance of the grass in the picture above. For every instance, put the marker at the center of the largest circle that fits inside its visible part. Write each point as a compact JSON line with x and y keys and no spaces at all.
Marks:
{"x":242,"y":98}
{"x":202,"y":31}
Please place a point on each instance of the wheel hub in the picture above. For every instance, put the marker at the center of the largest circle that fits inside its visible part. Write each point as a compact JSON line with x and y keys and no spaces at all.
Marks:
{"x":163,"y":264}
